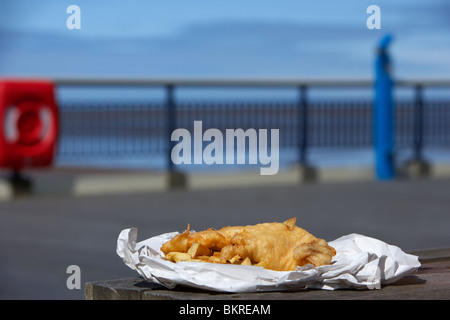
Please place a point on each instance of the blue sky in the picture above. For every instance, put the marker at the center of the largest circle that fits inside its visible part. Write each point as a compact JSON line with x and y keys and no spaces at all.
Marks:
{"x":227,"y":38}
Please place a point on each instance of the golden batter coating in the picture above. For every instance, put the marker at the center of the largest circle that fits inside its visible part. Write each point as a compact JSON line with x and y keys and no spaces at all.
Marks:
{"x":275,"y":246}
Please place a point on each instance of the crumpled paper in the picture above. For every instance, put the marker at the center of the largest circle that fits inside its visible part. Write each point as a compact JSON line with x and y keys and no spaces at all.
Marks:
{"x":360,"y":262}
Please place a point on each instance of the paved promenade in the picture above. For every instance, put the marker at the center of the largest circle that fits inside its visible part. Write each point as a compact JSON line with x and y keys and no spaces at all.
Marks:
{"x":41,"y":236}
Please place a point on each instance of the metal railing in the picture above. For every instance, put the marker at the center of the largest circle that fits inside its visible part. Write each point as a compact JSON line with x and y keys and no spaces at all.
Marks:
{"x":144,"y":128}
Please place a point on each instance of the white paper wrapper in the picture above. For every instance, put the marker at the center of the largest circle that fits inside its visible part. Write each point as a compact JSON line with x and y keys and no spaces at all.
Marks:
{"x":360,"y":262}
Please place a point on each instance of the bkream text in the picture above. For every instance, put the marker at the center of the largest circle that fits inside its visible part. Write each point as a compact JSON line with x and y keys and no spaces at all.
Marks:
{"x":242,"y":309}
{"x":213,"y":153}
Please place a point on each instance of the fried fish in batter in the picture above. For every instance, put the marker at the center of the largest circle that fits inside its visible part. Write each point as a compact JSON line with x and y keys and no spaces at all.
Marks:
{"x":275,"y":246}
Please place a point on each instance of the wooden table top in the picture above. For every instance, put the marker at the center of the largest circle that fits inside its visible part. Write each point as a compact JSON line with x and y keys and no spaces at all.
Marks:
{"x":430,"y":282}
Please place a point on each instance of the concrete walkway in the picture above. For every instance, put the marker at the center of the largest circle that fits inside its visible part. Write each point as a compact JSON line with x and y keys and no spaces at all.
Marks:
{"x":41,"y":236}
{"x":67,"y":181}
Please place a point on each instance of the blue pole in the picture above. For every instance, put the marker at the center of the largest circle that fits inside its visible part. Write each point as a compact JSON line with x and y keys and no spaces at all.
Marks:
{"x":384,"y":114}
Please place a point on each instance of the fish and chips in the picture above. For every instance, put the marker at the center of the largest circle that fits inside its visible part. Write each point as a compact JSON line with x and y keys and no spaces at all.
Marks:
{"x":275,"y":246}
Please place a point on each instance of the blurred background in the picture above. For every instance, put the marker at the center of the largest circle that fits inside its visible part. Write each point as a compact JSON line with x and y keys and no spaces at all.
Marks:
{"x":137,"y":69}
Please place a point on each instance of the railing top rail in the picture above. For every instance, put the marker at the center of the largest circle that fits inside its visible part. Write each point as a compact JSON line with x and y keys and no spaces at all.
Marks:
{"x":214,"y":82}
{"x":241,"y":82}
{"x":423,"y":82}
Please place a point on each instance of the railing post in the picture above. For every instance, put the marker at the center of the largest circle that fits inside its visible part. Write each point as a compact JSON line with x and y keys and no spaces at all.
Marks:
{"x":303,"y":121}
{"x":417,"y":167}
{"x":176,"y":179}
{"x":307,"y":172}
{"x":418,"y":123}
{"x":384,"y":114}
{"x":171,"y":123}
